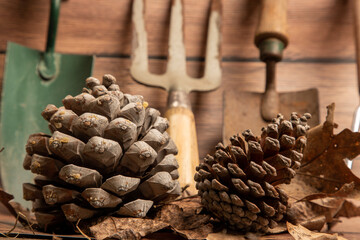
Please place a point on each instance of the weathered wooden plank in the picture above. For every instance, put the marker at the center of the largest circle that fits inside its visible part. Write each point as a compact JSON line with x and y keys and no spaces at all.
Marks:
{"x":348,"y":229}
{"x":317,"y":29}
{"x":336,"y":83}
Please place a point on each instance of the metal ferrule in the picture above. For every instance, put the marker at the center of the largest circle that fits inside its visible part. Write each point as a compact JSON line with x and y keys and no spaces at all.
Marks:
{"x":178,"y":98}
{"x":271,"y":49}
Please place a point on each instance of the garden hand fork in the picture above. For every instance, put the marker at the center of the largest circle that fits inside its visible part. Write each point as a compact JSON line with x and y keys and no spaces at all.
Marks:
{"x":177,"y":82}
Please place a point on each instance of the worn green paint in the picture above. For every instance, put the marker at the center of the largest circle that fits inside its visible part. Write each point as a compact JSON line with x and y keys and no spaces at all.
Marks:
{"x":25,"y":95}
{"x":47,"y":65}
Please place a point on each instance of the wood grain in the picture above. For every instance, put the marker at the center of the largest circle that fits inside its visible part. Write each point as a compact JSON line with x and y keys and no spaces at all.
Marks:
{"x":319,"y":30}
{"x":182,"y":130}
{"x":336,"y":82}
{"x":272,"y":21}
{"x":320,"y":54}
{"x":356,"y":18}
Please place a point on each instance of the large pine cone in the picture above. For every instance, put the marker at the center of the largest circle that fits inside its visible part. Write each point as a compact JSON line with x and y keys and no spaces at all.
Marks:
{"x":108,"y":153}
{"x":237,"y":184}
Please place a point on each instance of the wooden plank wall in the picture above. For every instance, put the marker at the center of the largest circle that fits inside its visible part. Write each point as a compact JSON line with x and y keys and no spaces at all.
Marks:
{"x":320,"y":53}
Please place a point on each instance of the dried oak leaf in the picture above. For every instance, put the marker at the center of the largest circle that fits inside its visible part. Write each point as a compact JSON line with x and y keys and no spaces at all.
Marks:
{"x":348,"y":209}
{"x":224,"y":235}
{"x":323,"y":163}
{"x":319,"y":191}
{"x":5,"y":198}
{"x":15,"y":209}
{"x":125,"y":228}
{"x":197,"y":233}
{"x":182,"y":216}
{"x":299,"y":233}
{"x":315,"y":210}
{"x":185,"y":218}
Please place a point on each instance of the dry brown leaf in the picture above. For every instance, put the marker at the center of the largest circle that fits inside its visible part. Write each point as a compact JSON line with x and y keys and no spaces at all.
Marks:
{"x":197,"y":233}
{"x":185,"y":218}
{"x":318,"y":192}
{"x":323,"y":165}
{"x":223,"y":236}
{"x":301,"y":233}
{"x":315,"y":210}
{"x":229,"y":235}
{"x":346,"y":190}
{"x":184,"y":214}
{"x":18,"y":211}
{"x":126,"y":234}
{"x":348,"y":209}
{"x":280,"y":228}
{"x":5,"y":198}
{"x":310,"y":215}
{"x":125,"y":228}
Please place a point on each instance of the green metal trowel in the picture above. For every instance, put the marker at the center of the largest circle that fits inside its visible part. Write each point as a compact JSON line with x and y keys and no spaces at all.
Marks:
{"x":33,"y":79}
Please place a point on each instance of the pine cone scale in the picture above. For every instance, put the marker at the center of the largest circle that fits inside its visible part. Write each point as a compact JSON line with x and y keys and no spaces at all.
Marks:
{"x":108,"y":154}
{"x":238,"y":184}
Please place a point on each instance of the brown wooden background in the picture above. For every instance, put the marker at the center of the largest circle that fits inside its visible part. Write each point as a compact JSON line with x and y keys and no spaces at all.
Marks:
{"x":320,"y":53}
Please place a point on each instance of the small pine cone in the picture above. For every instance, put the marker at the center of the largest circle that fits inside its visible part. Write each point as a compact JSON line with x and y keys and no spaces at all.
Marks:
{"x":238,"y":184}
{"x":108,"y":154}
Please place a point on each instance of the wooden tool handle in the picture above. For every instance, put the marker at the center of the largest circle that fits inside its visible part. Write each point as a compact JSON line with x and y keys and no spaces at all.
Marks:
{"x":272,"y":22}
{"x":182,"y":130}
{"x":356,"y":8}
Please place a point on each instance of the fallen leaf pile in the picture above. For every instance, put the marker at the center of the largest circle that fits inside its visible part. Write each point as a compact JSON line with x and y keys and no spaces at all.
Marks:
{"x":324,"y":186}
{"x":125,"y":228}
{"x":300,"y":233}
{"x":322,"y":192}
{"x":184,"y":217}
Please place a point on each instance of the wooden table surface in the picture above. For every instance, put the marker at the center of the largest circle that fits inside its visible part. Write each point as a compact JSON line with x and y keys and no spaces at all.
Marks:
{"x":320,"y":53}
{"x":348,"y":229}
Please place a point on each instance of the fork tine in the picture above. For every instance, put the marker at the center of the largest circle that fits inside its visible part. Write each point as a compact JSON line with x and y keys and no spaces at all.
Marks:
{"x":139,"y":68}
{"x":213,"y":54}
{"x":176,"y":76}
{"x":181,"y":119}
{"x":139,"y":56}
{"x":212,"y":71}
{"x":176,"y":55}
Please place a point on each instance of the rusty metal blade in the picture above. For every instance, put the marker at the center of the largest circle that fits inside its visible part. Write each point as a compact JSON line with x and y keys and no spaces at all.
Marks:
{"x":242,"y":110}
